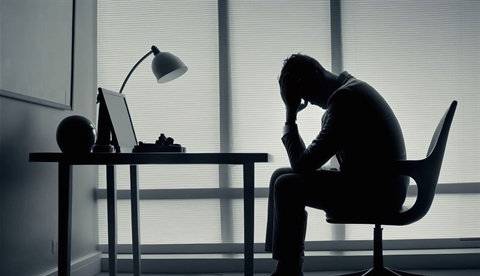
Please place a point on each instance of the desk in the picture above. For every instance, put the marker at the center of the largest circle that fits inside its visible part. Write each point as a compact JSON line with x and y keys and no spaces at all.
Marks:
{"x":65,"y":166}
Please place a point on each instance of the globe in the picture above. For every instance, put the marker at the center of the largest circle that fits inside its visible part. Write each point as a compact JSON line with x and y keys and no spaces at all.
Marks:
{"x":76,"y":135}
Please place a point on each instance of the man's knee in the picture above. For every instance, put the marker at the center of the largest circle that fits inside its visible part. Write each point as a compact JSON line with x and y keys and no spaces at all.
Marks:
{"x":277,"y":173}
{"x":285,"y":185}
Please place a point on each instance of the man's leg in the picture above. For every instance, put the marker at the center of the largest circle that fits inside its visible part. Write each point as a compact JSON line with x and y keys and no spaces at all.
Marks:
{"x":289,"y":194}
{"x":271,"y":210}
{"x":290,"y":222}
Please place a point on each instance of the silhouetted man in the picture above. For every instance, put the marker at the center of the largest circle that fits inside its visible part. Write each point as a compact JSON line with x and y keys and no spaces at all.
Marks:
{"x":359,"y":128}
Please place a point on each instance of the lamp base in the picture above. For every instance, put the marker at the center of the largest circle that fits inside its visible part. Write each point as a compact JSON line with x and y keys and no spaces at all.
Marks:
{"x":103,"y":148}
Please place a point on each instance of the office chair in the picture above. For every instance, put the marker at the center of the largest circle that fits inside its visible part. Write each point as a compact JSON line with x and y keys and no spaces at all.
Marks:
{"x":425,"y":172}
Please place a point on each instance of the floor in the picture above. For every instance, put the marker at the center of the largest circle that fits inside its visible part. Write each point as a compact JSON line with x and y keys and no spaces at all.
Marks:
{"x":465,"y":272}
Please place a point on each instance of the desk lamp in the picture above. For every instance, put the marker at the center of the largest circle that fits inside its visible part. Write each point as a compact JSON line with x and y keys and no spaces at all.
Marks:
{"x":165,"y":67}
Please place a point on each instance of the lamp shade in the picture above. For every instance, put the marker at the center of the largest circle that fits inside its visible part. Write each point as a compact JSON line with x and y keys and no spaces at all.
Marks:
{"x":167,"y":67}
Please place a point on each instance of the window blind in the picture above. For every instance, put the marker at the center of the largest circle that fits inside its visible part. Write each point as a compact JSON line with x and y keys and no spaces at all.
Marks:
{"x":421,"y":55}
{"x":185,"y":109}
{"x":262,"y":35}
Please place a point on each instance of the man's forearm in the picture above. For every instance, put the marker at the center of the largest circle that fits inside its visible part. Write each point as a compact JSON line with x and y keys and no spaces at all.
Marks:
{"x":291,"y":117}
{"x":294,"y":146}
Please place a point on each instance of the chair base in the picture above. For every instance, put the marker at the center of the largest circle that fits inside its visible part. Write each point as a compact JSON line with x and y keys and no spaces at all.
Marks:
{"x":384,"y":271}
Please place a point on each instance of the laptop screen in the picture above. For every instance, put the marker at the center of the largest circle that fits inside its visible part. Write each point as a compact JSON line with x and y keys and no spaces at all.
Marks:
{"x":122,"y":126}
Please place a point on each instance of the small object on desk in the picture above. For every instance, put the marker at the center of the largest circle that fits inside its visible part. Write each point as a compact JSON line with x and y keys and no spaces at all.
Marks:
{"x":76,"y":134}
{"x":164,"y":141}
{"x":163,"y":144}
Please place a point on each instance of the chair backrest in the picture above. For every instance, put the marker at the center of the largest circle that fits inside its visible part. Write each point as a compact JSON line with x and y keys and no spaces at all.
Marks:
{"x":425,"y":172}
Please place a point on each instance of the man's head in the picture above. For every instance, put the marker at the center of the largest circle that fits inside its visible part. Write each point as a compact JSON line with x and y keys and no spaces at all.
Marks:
{"x":303,"y":75}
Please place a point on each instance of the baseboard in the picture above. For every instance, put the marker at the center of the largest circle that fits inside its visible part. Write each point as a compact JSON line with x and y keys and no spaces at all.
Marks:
{"x":314,"y":261}
{"x":86,"y":265}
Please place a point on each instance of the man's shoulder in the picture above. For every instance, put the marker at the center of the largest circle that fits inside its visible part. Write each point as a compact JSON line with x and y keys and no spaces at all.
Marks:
{"x":342,"y":96}
{"x":354,"y":91}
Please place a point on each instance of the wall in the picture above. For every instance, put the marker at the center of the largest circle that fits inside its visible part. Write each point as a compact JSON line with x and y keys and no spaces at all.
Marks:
{"x":28,"y":191}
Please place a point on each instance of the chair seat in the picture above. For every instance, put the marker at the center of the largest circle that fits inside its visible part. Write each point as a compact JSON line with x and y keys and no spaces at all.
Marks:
{"x":361,"y":216}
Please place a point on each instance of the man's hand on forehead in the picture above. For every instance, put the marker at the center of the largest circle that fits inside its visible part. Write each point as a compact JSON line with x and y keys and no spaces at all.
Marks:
{"x":290,"y":93}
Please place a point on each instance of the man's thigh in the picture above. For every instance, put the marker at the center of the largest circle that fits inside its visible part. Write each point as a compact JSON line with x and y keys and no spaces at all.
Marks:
{"x":321,"y":189}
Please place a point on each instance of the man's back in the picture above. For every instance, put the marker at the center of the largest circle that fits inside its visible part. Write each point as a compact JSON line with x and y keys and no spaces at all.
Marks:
{"x":367,"y":130}
{"x":368,"y":137}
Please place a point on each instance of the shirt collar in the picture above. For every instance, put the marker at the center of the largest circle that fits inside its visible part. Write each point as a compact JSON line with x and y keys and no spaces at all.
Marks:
{"x":343,"y":77}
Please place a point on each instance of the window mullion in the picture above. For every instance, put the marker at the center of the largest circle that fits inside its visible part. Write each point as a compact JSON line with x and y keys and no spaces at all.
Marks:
{"x":339,"y":231}
{"x":226,"y":205}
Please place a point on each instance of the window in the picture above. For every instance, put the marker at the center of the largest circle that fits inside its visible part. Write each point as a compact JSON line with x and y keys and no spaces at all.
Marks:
{"x":419,"y":54}
{"x":186,"y":109}
{"x":262,"y":35}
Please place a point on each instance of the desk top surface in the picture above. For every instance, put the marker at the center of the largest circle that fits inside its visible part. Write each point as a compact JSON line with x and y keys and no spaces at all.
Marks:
{"x":138,"y":158}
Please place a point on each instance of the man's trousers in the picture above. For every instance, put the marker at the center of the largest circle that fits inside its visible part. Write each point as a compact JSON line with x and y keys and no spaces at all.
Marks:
{"x":289,"y":194}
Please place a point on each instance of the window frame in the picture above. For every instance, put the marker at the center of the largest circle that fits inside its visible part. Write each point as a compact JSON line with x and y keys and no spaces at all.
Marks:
{"x":226,"y":193}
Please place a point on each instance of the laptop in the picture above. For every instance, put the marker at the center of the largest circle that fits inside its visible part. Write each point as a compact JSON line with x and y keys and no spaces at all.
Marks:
{"x":122,"y":130}
{"x":123,"y":134}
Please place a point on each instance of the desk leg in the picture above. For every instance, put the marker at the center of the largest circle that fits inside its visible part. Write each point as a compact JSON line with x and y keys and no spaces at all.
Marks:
{"x":112,"y":219}
{"x":135,"y":218}
{"x":248,"y":209}
{"x":64,"y":218}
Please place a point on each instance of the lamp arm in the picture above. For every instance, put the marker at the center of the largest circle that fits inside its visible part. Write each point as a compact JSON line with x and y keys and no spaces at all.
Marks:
{"x":133,"y":69}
